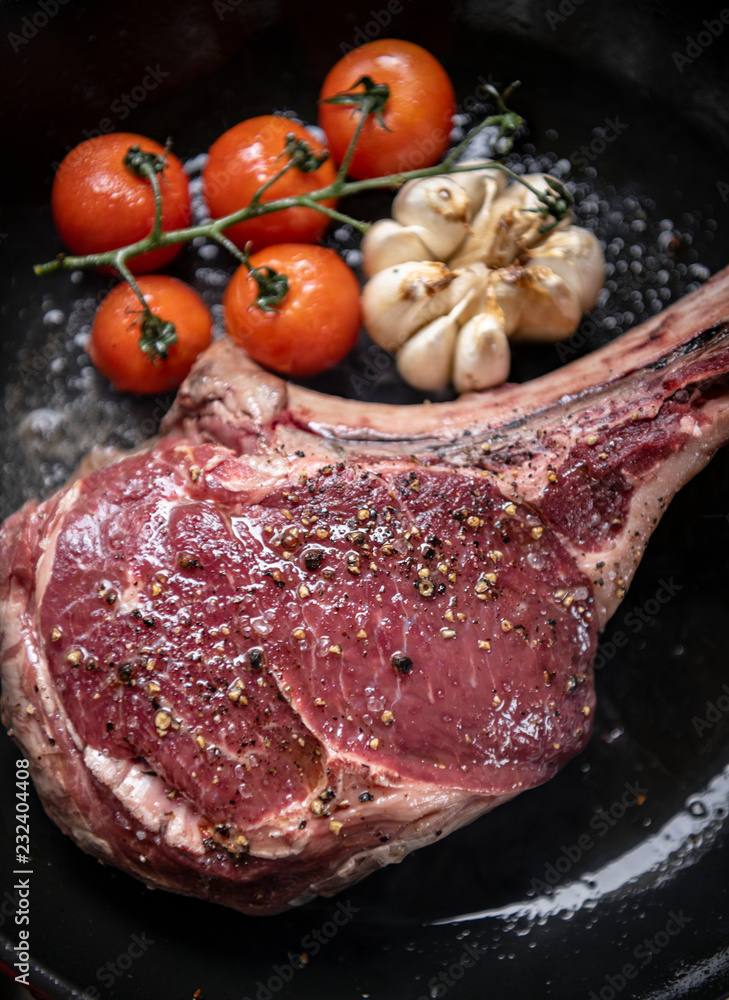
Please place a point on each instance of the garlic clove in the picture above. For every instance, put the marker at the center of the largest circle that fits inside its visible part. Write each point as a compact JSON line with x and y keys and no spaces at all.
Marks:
{"x":425,"y":360}
{"x":387,"y":243}
{"x":440,"y":206}
{"x":576,"y":256}
{"x":401,"y":299}
{"x":549,"y":309}
{"x":473,"y":183}
{"x":482,"y":355}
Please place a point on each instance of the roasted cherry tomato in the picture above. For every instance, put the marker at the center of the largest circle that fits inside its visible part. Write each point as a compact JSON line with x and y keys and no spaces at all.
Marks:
{"x":115,"y":345}
{"x":315,"y":324}
{"x":417,"y":112}
{"x":99,"y":204}
{"x":243,"y":159}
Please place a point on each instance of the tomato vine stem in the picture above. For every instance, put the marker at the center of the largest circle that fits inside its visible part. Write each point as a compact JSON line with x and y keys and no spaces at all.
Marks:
{"x":555,"y":203}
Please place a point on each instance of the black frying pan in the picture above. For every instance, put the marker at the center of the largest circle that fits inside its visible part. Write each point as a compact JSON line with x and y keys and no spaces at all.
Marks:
{"x":611,"y":880}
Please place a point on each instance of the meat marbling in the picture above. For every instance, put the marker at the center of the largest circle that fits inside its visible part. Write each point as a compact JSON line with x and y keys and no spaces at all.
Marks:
{"x":296,"y":637}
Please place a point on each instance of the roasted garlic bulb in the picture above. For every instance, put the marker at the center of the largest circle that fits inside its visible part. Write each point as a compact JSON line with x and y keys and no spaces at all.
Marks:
{"x":463,"y":266}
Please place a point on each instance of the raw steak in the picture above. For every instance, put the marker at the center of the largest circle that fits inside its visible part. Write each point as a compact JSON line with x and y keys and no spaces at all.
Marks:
{"x":297,"y":637}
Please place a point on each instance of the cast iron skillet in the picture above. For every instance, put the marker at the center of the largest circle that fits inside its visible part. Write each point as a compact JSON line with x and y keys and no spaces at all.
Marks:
{"x":612,"y":878}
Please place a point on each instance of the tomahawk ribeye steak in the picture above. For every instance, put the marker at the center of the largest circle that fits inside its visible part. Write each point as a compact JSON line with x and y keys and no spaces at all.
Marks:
{"x":296,"y":637}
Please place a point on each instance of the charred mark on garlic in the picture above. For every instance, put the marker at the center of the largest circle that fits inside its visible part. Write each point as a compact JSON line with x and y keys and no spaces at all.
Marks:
{"x":188,"y":561}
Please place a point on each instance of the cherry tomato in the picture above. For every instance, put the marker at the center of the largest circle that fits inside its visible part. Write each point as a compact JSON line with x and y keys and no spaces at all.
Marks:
{"x":418,"y":111}
{"x":316,"y":323}
{"x":115,"y":348}
{"x":243,"y":159}
{"x":99,"y":204}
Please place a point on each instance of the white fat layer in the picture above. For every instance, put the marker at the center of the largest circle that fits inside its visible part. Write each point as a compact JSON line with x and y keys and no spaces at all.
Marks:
{"x":44,"y":565}
{"x":144,"y":797}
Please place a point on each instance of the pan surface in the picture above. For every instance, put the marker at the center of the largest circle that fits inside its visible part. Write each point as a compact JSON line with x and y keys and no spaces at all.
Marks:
{"x":613,"y":878}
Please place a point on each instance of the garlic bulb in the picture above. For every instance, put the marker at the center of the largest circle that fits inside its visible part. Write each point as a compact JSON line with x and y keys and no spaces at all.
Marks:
{"x":463,"y":266}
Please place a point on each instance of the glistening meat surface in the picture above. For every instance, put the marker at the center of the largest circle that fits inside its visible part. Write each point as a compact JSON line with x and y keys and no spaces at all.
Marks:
{"x":297,"y":637}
